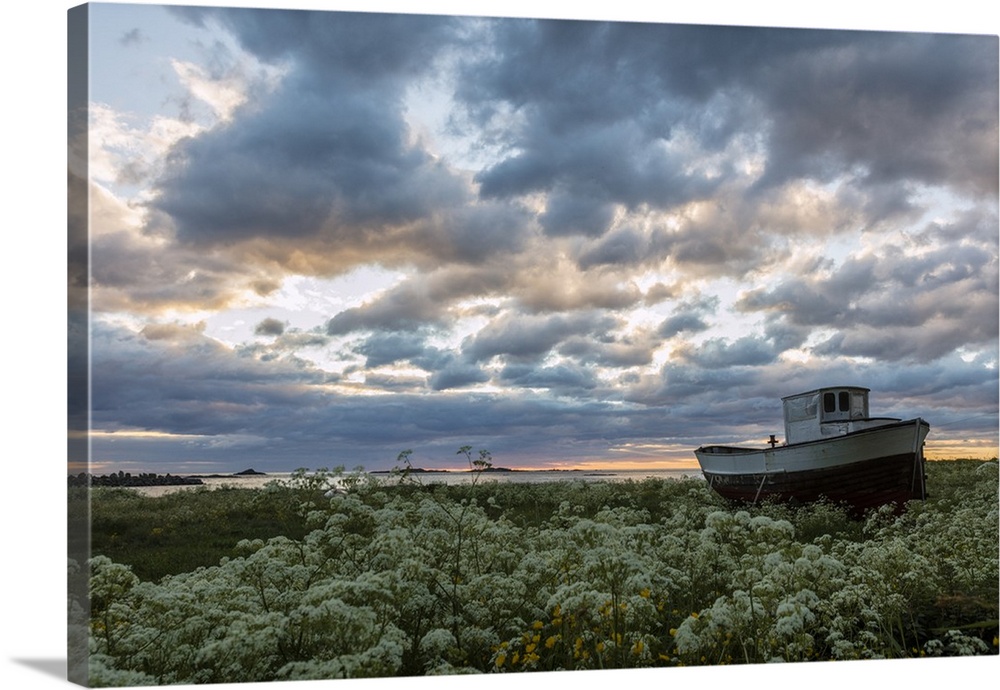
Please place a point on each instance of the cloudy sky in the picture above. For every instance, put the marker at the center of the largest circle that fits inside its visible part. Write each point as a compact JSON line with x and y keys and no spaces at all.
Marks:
{"x":322,"y":238}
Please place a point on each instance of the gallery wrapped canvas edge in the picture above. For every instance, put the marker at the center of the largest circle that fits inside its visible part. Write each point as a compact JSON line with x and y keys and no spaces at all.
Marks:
{"x":78,"y":316}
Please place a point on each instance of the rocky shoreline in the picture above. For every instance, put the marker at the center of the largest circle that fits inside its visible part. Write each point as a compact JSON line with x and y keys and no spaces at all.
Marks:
{"x":128,"y":479}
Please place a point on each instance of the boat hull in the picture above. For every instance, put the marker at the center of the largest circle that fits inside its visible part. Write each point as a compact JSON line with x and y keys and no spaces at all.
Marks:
{"x":863,"y":469}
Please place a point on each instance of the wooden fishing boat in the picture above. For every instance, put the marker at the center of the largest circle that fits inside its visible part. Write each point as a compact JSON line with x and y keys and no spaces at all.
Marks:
{"x":833,"y":449}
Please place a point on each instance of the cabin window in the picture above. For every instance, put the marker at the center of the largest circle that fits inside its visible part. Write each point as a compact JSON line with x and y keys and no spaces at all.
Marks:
{"x":845,"y":401}
{"x":829,"y":402}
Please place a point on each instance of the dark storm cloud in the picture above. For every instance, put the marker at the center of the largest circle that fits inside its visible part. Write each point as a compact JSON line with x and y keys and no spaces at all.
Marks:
{"x":684,"y":321}
{"x":813,"y":301}
{"x":317,"y":158}
{"x":269,"y":326}
{"x":406,"y":309}
{"x":974,"y":267}
{"x":173,"y":378}
{"x":784,"y":335}
{"x":282,"y":411}
{"x":475,"y":234}
{"x":719,"y":353}
{"x":732,"y":404}
{"x":327,"y":161}
{"x":382,"y":348}
{"x":566,"y":214}
{"x":588,"y":169}
{"x":899,"y":306}
{"x":890,"y":105}
{"x":959,"y":387}
{"x":561,"y":379}
{"x":614,"y":113}
{"x":531,"y":336}
{"x":614,"y":352}
{"x":456,"y":372}
{"x":446,"y":369}
{"x":975,"y":225}
{"x":626,"y":246}
{"x":368,"y":46}
{"x":929,"y":341}
{"x":689,"y":317}
{"x":595,"y":116}
{"x":686,"y":383}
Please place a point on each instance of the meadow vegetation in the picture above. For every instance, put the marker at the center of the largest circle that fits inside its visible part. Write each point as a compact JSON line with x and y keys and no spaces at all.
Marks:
{"x":392,"y":577}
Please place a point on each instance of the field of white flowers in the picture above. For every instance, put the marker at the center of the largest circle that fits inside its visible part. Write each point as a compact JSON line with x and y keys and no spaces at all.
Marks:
{"x":397,"y":579}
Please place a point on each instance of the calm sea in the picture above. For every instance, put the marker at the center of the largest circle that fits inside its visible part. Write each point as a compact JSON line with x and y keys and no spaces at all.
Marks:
{"x":532,"y":477}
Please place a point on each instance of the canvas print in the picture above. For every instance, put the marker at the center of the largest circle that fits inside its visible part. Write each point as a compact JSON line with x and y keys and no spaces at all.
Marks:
{"x":413,"y":344}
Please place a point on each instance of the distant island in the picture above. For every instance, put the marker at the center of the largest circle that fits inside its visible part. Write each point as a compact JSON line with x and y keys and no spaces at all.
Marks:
{"x":244,"y":473}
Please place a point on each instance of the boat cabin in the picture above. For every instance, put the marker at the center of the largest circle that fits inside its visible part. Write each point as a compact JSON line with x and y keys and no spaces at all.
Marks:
{"x":825,"y":412}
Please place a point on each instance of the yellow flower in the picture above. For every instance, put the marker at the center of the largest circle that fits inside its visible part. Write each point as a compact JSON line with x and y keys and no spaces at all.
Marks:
{"x":551,"y":641}
{"x":673,"y":632}
{"x":599,"y":647}
{"x":695,"y":615}
{"x":500,"y":659}
{"x":644,"y":593}
{"x":537,"y":625}
{"x":637,"y":647}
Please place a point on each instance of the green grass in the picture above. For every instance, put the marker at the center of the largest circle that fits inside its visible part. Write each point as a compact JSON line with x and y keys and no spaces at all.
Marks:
{"x":184,"y":530}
